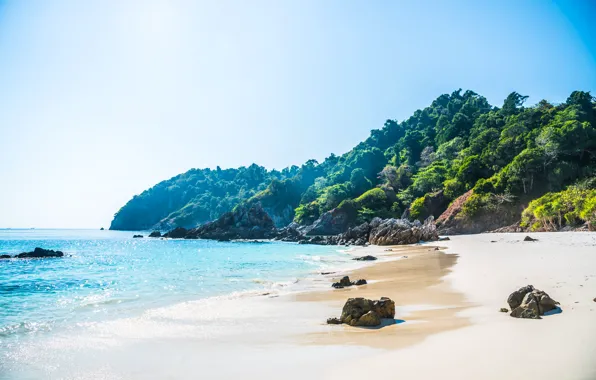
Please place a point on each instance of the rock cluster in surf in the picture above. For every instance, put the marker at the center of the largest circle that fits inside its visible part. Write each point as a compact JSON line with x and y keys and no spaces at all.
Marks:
{"x":37,"y":253}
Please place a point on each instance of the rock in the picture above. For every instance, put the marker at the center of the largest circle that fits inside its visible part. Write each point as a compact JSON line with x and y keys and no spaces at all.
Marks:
{"x":446,"y":238}
{"x":533,"y":304}
{"x":527,"y":238}
{"x":402,"y":231}
{"x":365,"y":312}
{"x":369,"y":319}
{"x":326,"y":273}
{"x":243,"y":223}
{"x":137,"y":236}
{"x":333,"y":321}
{"x":155,"y":234}
{"x":515,"y":299}
{"x":332,"y":222}
{"x":8,"y":257}
{"x":40,"y":253}
{"x":594,"y":299}
{"x":524,"y":313}
{"x":385,"y":307}
{"x":365,"y":258}
{"x":504,"y":310}
{"x":345,"y":281}
{"x":176,"y":233}
{"x":101,"y":229}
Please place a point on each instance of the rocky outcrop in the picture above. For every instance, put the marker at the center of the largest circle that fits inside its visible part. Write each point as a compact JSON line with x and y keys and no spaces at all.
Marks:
{"x":364,"y":312}
{"x":176,"y":233}
{"x":39,"y":253}
{"x":137,"y":236}
{"x":345,"y":282}
{"x":242,"y":223}
{"x":454,"y":221}
{"x":332,"y":222}
{"x":531,"y":303}
{"x":155,"y":234}
{"x":5,"y":256}
{"x":401,"y":231}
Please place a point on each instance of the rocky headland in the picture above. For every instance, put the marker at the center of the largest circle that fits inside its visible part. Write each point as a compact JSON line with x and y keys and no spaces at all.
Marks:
{"x":249,"y":223}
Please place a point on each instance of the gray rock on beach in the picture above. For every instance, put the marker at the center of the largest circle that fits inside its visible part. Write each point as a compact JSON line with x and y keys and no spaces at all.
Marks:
{"x":529,"y":302}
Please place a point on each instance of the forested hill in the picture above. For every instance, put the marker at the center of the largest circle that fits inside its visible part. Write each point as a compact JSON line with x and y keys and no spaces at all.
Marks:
{"x":507,"y":155}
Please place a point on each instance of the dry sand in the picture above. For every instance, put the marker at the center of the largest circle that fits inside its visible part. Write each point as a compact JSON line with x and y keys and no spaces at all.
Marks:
{"x":494,"y":345}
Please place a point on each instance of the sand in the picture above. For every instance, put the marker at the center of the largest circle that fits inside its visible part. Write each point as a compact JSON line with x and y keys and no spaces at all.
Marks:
{"x":494,"y":345}
{"x":447,"y":306}
{"x":412,"y":277}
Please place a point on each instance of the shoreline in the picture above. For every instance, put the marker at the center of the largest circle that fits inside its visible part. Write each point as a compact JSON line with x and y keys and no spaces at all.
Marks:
{"x":413,"y":277}
{"x":447,"y":298}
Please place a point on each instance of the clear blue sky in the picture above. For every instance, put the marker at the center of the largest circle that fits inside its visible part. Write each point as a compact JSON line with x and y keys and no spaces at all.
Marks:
{"x":100,"y":100}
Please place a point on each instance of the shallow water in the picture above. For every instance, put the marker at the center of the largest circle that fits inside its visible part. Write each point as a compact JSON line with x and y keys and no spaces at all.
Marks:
{"x":108,"y":275}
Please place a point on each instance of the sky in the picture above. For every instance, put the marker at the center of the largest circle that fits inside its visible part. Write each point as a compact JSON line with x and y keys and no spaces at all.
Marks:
{"x":100,"y":100}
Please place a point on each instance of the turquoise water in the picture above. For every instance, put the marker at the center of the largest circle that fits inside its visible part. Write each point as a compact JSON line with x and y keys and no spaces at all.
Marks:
{"x":108,"y":274}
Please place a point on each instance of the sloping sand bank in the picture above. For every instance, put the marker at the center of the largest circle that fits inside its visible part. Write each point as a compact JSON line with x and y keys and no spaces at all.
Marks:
{"x":412,"y":277}
{"x":494,"y":345}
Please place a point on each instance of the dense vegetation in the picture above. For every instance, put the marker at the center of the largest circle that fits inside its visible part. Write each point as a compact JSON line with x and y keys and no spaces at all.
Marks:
{"x":194,"y":197}
{"x":460,"y":142}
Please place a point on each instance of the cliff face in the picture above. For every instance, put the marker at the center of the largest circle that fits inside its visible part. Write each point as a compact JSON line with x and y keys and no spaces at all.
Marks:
{"x":454,"y":220}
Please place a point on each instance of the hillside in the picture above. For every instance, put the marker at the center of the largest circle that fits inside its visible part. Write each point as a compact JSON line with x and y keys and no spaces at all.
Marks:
{"x":506,"y":155}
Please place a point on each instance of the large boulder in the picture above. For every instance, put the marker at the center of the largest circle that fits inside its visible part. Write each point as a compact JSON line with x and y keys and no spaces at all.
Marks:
{"x":365,"y":312}
{"x":402,"y":231}
{"x":528,"y":302}
{"x":40,"y":253}
{"x":155,"y":234}
{"x":5,"y":256}
{"x":332,"y":222}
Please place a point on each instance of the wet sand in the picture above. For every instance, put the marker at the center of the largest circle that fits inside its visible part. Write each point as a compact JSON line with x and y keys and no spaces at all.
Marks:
{"x":412,"y":276}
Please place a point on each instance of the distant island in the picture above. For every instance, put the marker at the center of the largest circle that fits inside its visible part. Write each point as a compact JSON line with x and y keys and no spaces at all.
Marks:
{"x":472,"y":166}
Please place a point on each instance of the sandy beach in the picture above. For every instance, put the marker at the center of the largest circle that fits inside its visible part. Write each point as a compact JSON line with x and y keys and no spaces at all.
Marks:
{"x":448,"y":323}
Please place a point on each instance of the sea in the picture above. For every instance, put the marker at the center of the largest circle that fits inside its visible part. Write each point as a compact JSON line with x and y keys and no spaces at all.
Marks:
{"x":109,"y":276}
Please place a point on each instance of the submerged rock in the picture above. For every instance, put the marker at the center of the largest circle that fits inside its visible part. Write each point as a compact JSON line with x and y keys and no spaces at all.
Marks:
{"x":528,"y":302}
{"x":365,"y":258}
{"x":528,"y":238}
{"x":155,"y":234}
{"x":137,"y":236}
{"x":39,"y":253}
